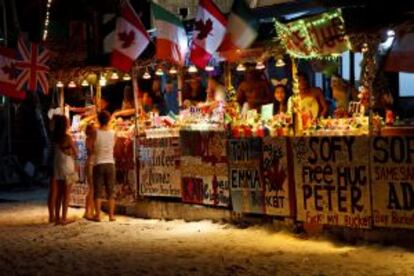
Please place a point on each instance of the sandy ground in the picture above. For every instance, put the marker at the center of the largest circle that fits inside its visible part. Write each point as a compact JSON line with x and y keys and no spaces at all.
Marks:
{"x":129,"y":246}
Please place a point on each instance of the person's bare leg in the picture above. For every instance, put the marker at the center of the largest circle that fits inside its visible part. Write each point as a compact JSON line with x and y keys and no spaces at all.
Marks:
{"x":98,"y":203}
{"x":58,"y":201}
{"x":91,"y":210}
{"x":89,"y":203}
{"x":89,"y":200}
{"x":111,"y":203}
{"x":65,"y":203}
{"x":51,"y":199}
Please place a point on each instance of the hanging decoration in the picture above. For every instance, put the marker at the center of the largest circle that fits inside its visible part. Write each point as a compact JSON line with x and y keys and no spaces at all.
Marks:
{"x":321,"y":36}
{"x":47,"y":20}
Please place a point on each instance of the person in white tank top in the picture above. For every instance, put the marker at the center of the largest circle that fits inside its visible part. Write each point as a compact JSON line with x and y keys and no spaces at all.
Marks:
{"x":104,"y":166}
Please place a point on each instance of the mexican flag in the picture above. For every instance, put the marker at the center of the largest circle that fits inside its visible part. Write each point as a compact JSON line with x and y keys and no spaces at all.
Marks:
{"x":209,"y":31}
{"x":131,"y":38}
{"x":172,"y":42}
{"x":242,"y":28}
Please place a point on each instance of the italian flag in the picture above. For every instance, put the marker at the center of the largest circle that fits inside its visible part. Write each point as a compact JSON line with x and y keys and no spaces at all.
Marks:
{"x":209,"y":31}
{"x":242,"y":28}
{"x":172,"y":42}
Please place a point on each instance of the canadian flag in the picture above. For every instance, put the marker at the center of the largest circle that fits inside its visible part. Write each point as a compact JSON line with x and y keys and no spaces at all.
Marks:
{"x":209,"y":31}
{"x":131,"y":39}
{"x":9,"y":74}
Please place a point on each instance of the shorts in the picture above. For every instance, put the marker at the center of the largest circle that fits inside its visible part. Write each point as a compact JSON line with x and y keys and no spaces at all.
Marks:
{"x":104,"y":177}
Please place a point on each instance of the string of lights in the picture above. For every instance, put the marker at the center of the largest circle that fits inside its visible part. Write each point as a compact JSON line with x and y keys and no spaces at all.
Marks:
{"x":47,"y":20}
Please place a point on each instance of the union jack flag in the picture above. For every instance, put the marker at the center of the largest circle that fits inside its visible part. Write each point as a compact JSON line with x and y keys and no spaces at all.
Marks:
{"x":31,"y":62}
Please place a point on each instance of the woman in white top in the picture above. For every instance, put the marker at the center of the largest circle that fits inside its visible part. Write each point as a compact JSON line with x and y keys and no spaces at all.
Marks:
{"x":64,"y":167}
{"x":104,"y":168}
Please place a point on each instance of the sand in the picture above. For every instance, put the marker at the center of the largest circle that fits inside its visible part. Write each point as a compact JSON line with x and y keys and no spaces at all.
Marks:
{"x":131,"y":246}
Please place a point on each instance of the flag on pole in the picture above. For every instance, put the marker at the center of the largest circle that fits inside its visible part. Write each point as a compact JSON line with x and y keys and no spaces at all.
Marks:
{"x":8,"y":74}
{"x":209,"y":31}
{"x":131,"y":38}
{"x":31,"y":62}
{"x":172,"y":42}
{"x":242,"y":28}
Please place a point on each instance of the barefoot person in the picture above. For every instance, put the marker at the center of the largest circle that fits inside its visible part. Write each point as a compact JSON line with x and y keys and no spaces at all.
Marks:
{"x":89,"y":201}
{"x":51,"y":199}
{"x":64,"y":167}
{"x":104,"y":169}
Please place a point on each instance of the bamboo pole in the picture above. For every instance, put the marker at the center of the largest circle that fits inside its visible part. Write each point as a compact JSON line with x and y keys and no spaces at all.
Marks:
{"x":296,"y":102}
{"x":137,"y":101}
{"x":180,"y":82}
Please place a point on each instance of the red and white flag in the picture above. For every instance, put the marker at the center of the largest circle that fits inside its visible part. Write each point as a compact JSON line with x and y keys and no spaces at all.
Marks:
{"x":32,"y":61}
{"x":131,"y":39}
{"x":8,"y":74}
{"x":209,"y":31}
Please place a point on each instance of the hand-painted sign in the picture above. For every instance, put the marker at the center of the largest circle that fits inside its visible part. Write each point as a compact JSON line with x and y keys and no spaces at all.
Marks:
{"x":204,"y":167}
{"x":276,"y":176}
{"x":332,"y":180}
{"x":246,"y":181}
{"x":80,"y":188}
{"x":159,"y":172}
{"x":125,"y":188}
{"x":392,"y":174}
{"x":315,"y":36}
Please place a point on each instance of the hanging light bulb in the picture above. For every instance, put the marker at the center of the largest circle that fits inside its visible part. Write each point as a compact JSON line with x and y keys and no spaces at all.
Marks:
{"x":192,"y":69}
{"x":146,"y":76}
{"x":209,"y":68}
{"x":241,"y":67}
{"x":260,"y":65}
{"x":102,"y":81}
{"x":173,"y":71}
{"x":159,"y":72}
{"x":126,"y":77}
{"x":85,"y":83}
{"x":72,"y":84}
{"x":114,"y":76}
{"x":280,"y":62}
{"x":59,"y":84}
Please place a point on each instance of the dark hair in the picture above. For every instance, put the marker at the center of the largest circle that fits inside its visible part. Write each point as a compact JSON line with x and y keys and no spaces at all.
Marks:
{"x":90,"y":128}
{"x":104,"y":117}
{"x":281,"y":86}
{"x":303,"y":75}
{"x":60,"y":126}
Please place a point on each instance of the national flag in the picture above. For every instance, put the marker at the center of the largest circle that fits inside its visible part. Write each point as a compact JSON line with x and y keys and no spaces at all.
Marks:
{"x":400,"y":57}
{"x":131,"y":39}
{"x":242,"y":28}
{"x":209,"y":31}
{"x":31,"y":62}
{"x":8,"y":74}
{"x":172,"y":42}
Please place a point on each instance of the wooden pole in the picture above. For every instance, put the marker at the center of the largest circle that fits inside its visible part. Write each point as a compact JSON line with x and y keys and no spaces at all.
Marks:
{"x":296,"y":102}
{"x":180,"y":85}
{"x":232,"y":97}
{"x":98,"y":96}
{"x":137,"y":101}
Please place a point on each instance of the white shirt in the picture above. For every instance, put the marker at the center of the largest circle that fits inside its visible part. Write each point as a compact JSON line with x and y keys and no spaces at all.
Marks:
{"x":104,"y":147}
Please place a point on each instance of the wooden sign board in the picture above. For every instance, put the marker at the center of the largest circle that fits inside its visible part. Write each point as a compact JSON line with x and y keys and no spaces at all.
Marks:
{"x":332,"y":180}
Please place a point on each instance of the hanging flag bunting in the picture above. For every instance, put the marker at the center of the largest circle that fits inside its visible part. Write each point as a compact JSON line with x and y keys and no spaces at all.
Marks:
{"x":209,"y":31}
{"x":32,"y":64}
{"x":172,"y":42}
{"x":242,"y":28}
{"x":131,"y":39}
{"x":8,"y":74}
{"x":318,"y":36}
